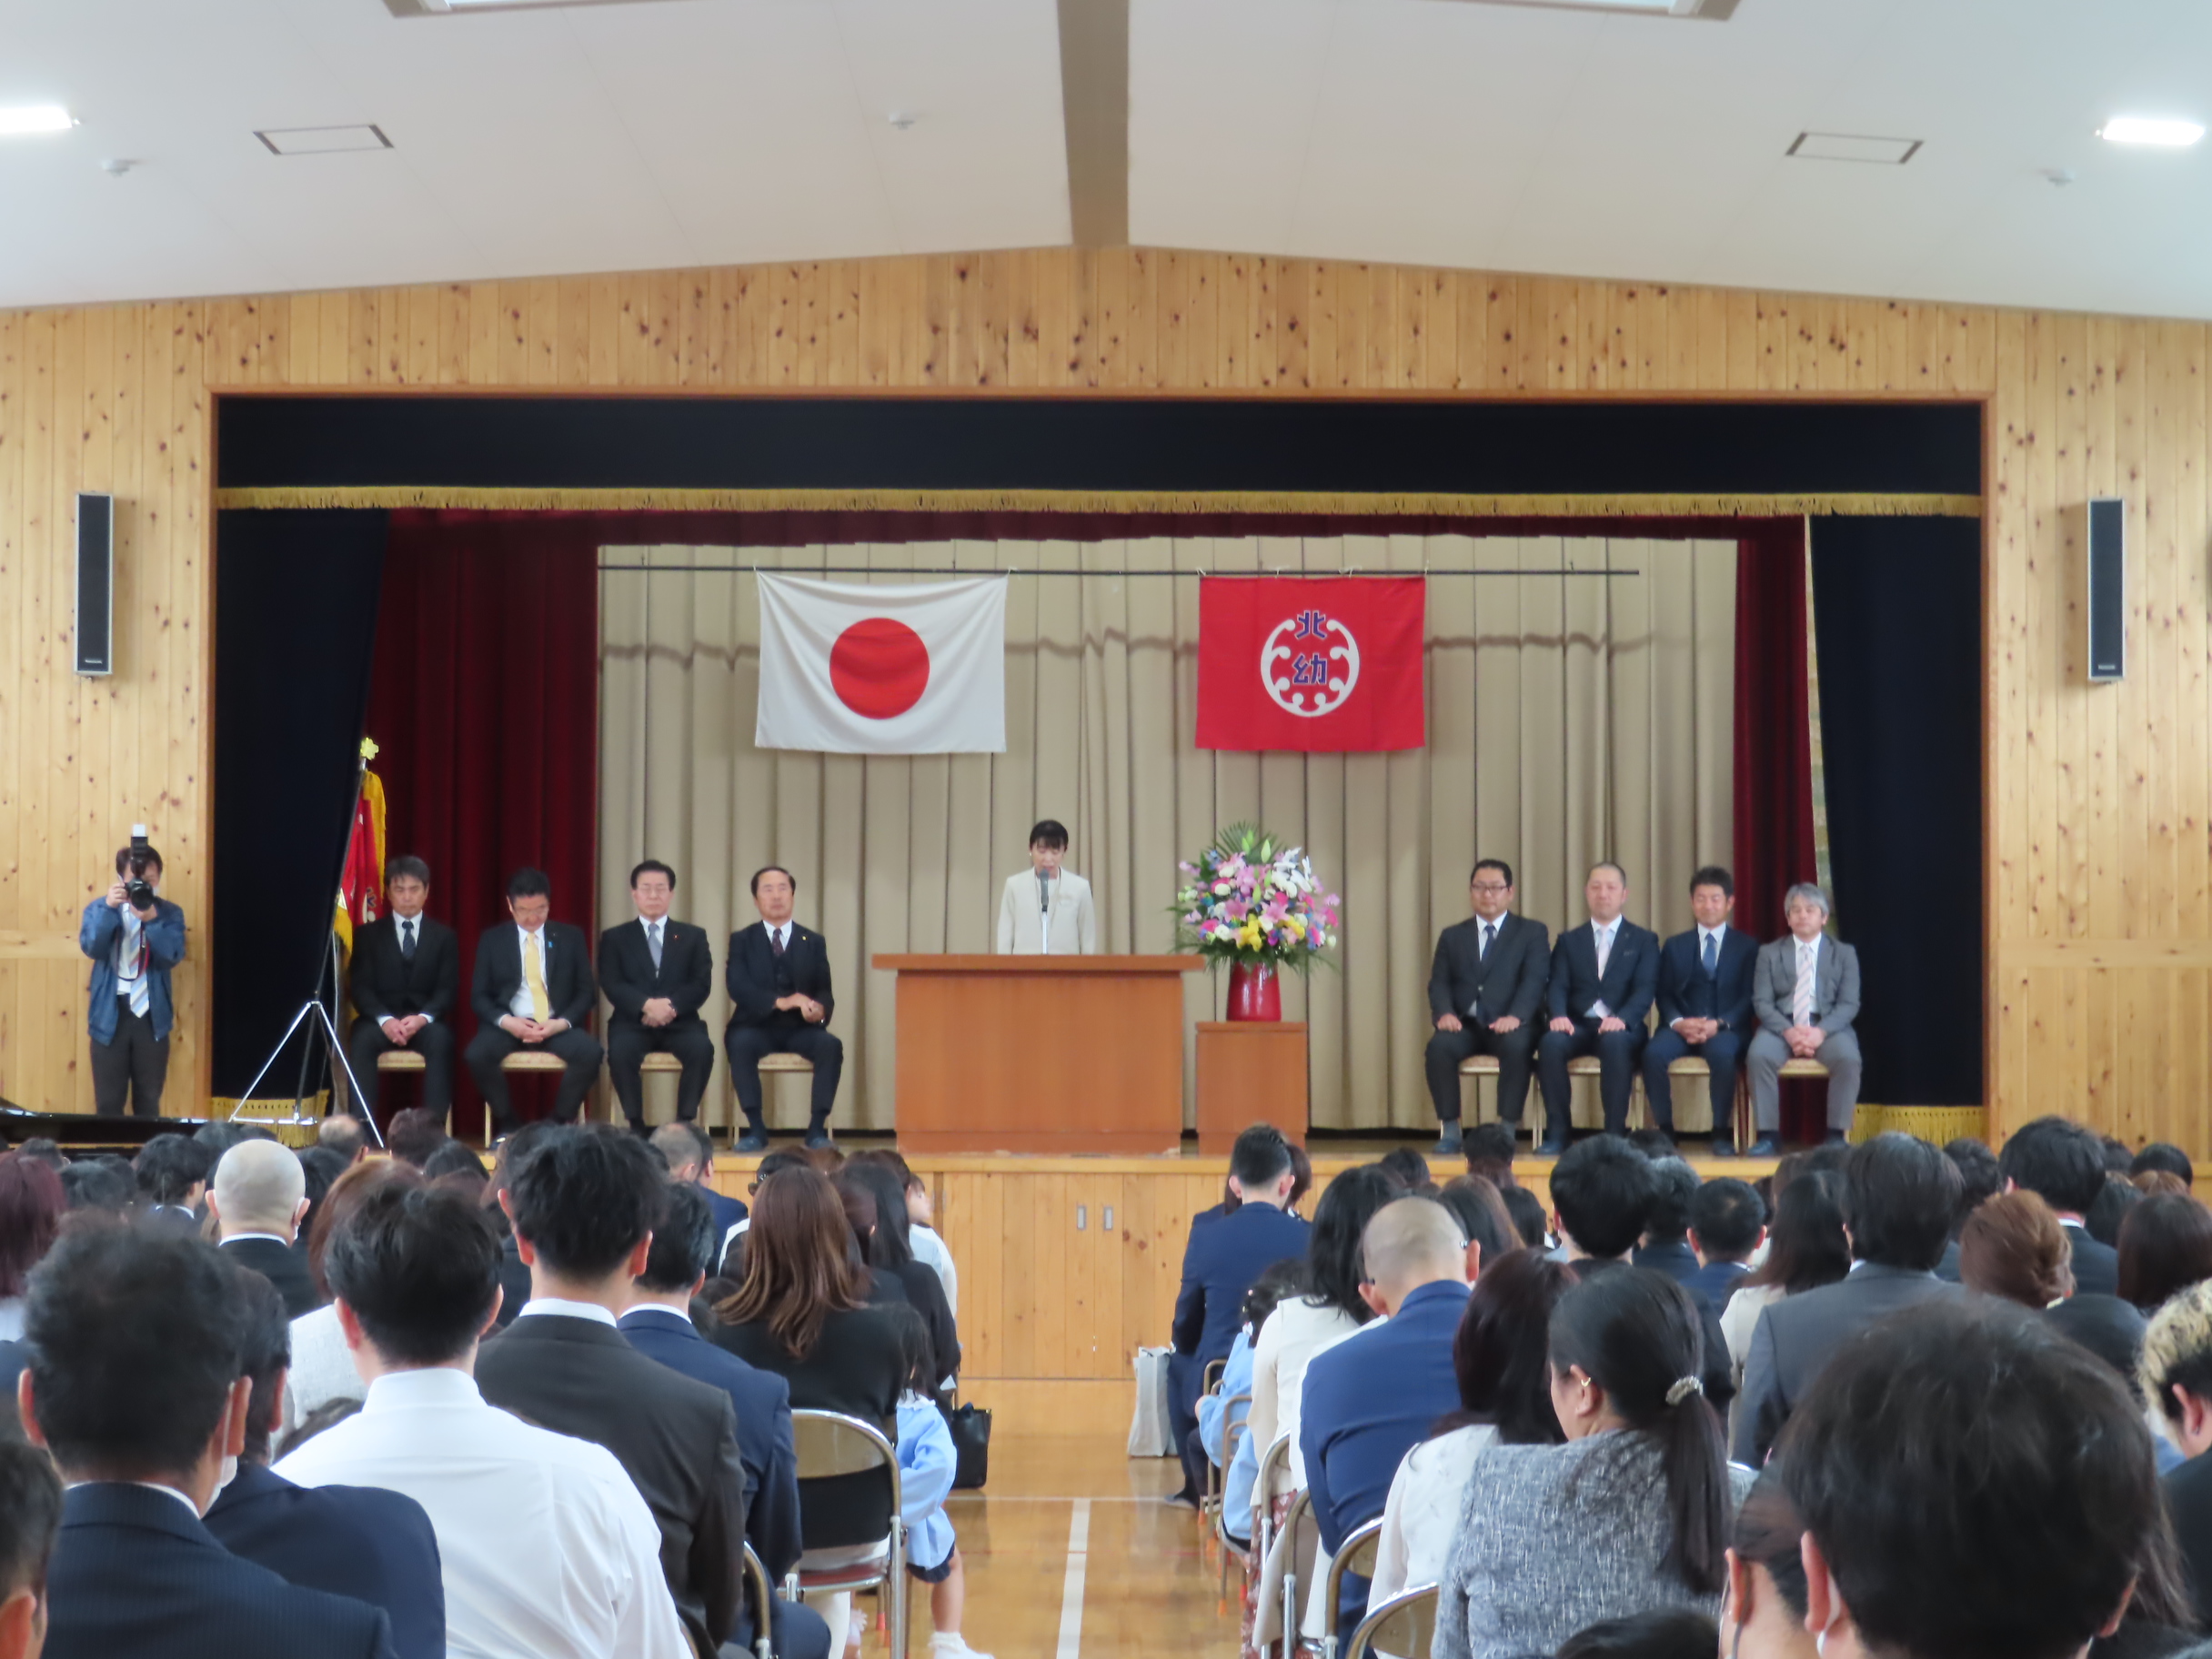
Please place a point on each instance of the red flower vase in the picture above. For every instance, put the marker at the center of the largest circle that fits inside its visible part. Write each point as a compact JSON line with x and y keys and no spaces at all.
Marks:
{"x":1255,"y":992}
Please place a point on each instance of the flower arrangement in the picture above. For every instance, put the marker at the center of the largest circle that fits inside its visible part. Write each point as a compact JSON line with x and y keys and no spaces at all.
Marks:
{"x":1249,"y":900}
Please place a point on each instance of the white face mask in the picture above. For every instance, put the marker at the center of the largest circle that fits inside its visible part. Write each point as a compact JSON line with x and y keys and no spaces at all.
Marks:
{"x":230,"y":1473}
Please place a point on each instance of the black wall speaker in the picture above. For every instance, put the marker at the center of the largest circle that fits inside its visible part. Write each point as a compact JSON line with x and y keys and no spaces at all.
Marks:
{"x":2107,"y":589}
{"x":95,"y":584}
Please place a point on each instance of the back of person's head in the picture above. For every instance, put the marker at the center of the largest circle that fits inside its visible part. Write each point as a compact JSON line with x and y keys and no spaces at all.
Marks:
{"x":218,"y":1137}
{"x":320,"y":1166}
{"x":1407,"y":1166}
{"x":859,"y":1206}
{"x":684,"y":1240}
{"x":1978,"y":1176}
{"x":2058,"y":1160}
{"x":258,"y":1187}
{"x":356,"y":1184}
{"x":1529,"y":1218}
{"x":453,"y":1158}
{"x":2178,"y":1350}
{"x":44,"y":1149}
{"x":782,"y":1158}
{"x":2165,"y":1156}
{"x":1665,"y":1633}
{"x":1766,"y":1588}
{"x":890,"y":1244}
{"x":2156,"y":1183}
{"x":512,"y":1148}
{"x":1302,"y":1176}
{"x":1727,"y":1218}
{"x":1674,"y":1196}
{"x":1635,"y":1334}
{"x":1488,"y":1152}
{"x":1654,"y":1143}
{"x":2118,"y":1154}
{"x":415,"y":1134}
{"x":799,"y":1266}
{"x":1479,"y":1209}
{"x":1833,"y":1157}
{"x":917,"y":1357}
{"x":265,"y":1353}
{"x":1347,"y":1204}
{"x":87,"y":1185}
{"x":1260,"y":1159}
{"x":420,"y":1269}
{"x":30,"y":1517}
{"x":827,"y":1159}
{"x":1501,"y":1350}
{"x":31,"y":1204}
{"x":1289,"y":1277}
{"x":1411,"y":1242}
{"x":1602,"y":1189}
{"x":2102,"y":1220}
{"x":679,"y":1150}
{"x":1808,"y":1246}
{"x":133,"y":1342}
{"x":168,"y":1167}
{"x":344,"y":1135}
{"x":2165,"y":1246}
{"x":1975,"y":1486}
{"x":2013,"y":1247}
{"x":584,"y":1198}
{"x":1899,"y":1195}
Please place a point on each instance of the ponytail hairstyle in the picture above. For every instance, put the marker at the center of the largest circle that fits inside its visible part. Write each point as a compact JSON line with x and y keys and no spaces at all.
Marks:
{"x":1637,"y":1335}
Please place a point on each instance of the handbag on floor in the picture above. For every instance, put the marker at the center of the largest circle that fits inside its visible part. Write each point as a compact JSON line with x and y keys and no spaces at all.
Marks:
{"x":1149,"y":1434}
{"x":970,"y":1426}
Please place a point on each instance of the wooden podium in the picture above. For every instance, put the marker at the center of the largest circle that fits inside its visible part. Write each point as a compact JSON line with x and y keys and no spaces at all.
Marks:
{"x":1039,"y":1053}
{"x":1250,"y":1071}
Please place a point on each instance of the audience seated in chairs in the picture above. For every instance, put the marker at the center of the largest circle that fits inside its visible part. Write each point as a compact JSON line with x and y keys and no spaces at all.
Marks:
{"x":321,"y":1365}
{"x":2063,"y":1163}
{"x":30,"y":1518}
{"x":1215,"y":1418}
{"x":1728,"y":1225}
{"x":545,"y":1549}
{"x":1805,"y":1249}
{"x":2165,"y":1246}
{"x":927,"y":1463}
{"x":258,"y":1199}
{"x":136,"y":1385}
{"x":1630,"y":1516}
{"x":889,"y":1250}
{"x":921,"y":1222}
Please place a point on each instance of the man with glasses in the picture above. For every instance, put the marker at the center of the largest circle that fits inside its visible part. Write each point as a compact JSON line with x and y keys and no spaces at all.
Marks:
{"x":1484,"y":991}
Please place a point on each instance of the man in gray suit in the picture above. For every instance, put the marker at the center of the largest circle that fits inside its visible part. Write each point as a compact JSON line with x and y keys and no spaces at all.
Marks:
{"x":1805,"y":991}
{"x":1898,"y":1197}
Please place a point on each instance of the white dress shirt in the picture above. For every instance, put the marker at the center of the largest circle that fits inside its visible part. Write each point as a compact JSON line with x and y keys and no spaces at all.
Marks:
{"x":930,"y":1251}
{"x":566,"y":1309}
{"x":1603,"y":932}
{"x":131,"y":963}
{"x":548,"y":1552}
{"x":518,"y":1004}
{"x":322,"y":1367}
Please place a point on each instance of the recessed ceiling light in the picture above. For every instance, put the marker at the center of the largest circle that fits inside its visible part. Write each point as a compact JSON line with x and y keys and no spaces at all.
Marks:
{"x":1854,"y":146}
{"x":321,"y":140}
{"x":35,"y":119}
{"x":2150,"y":129}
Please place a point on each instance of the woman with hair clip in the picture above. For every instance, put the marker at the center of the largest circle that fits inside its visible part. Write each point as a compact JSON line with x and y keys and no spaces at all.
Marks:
{"x":1630,"y":1515}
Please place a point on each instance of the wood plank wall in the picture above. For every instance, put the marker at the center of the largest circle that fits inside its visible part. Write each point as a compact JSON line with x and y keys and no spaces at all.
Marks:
{"x":2099,"y":868}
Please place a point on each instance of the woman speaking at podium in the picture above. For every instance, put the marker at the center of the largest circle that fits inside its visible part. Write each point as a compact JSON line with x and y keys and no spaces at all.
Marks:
{"x":1046,"y":911}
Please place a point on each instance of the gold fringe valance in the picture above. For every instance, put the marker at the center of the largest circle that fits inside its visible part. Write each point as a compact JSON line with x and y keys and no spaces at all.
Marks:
{"x":1325,"y":503}
{"x":1934,"y":1123}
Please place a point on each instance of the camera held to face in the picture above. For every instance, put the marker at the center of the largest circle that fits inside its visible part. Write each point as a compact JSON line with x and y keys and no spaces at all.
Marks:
{"x":135,"y":887}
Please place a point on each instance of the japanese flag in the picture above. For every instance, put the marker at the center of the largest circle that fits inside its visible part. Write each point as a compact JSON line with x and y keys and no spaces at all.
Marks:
{"x":918,"y":669}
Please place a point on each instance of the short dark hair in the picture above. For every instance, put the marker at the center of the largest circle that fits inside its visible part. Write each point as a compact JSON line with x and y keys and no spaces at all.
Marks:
{"x":650,"y":865}
{"x":2166,"y":1245}
{"x":1500,"y":865}
{"x":2058,"y":1160}
{"x":1529,"y":1218}
{"x":684,"y":1239}
{"x":1606,"y":864}
{"x":420,"y":1270}
{"x":1713,"y":875}
{"x":1488,"y":1151}
{"x":754,"y":886}
{"x":1049,"y":832}
{"x":134,"y":1339}
{"x":1899,"y":1195}
{"x":585,"y":1197}
{"x":1289,"y":1277}
{"x":2163,"y":1155}
{"x":1675,"y":1187}
{"x":2102,"y":1220}
{"x":405,"y":866}
{"x":1407,"y":1166}
{"x":1655,"y":1143}
{"x":1259,"y":1155}
{"x":1978,"y":1176}
{"x":1603,"y":1189}
{"x":529,"y":883}
{"x":265,"y":1338}
{"x":168,"y":1166}
{"x":1933,"y":1433}
{"x":1479,"y":1209}
{"x":87,"y":1185}
{"x":1727,"y":1215}
{"x":123,"y":859}
{"x":452,"y":1157}
{"x":1340,"y":1221}
{"x":1662,"y":1633}
{"x":30,"y":1515}
{"x":1768,"y":1534}
{"x":44,"y":1149}
{"x":414,"y":1134}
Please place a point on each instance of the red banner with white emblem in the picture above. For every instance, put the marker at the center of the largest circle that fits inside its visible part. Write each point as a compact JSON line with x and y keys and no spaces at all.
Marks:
{"x":1321,"y":664}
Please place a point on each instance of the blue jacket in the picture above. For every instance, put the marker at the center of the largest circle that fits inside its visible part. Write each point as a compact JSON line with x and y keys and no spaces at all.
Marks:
{"x":927,"y":1463}
{"x":1677,"y":1260}
{"x":164,"y":940}
{"x":1717,"y":1280}
{"x":374,"y":1545}
{"x":1213,"y":1419}
{"x":1685,"y":993}
{"x":728,"y":1211}
{"x":1224,"y":1255}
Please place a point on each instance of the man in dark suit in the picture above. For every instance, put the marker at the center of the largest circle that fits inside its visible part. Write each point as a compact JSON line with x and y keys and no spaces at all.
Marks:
{"x":688,"y":1151}
{"x":374,"y":1545}
{"x":259,"y":1195}
{"x":657,"y":975}
{"x":583,"y":1201}
{"x":1603,"y":977}
{"x":2063,"y":1163}
{"x":1898,"y":1195}
{"x":1666,"y":1245}
{"x":135,"y":1386}
{"x":1728,"y":1225}
{"x":1805,"y":992}
{"x":171,"y":1171}
{"x":1484,"y":991}
{"x":686,"y":1244}
{"x":406,"y":983}
{"x":781,"y":1001}
{"x":1705,"y":1005}
{"x":532,"y":989}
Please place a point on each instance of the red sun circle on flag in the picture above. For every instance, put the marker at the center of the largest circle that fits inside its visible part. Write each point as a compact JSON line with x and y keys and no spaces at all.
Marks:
{"x":880,"y":667}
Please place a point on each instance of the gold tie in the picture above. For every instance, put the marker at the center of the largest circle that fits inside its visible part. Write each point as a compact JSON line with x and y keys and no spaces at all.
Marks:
{"x":534,"y":976}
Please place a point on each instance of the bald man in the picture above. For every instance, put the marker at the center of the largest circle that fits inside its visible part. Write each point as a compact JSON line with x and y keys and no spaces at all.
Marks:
{"x":258,"y":1196}
{"x":1371,"y":1398}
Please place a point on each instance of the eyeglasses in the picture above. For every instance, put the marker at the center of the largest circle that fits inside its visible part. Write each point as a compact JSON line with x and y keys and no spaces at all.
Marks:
{"x":1491,"y":887}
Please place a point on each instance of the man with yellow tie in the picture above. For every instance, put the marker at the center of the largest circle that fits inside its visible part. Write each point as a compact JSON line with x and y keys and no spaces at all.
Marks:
{"x":533,"y":989}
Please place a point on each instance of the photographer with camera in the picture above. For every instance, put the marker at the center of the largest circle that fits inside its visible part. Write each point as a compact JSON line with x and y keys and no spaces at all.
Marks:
{"x":134,"y":938}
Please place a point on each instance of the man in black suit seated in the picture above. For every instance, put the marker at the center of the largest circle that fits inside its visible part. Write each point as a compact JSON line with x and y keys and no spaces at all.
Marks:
{"x":657,"y":975}
{"x":583,"y":1201}
{"x":688,"y":1151}
{"x":30,"y":1515}
{"x":1484,"y":991}
{"x":406,"y":983}
{"x":2063,"y":1163}
{"x":686,"y":1244}
{"x":376,"y":1546}
{"x":136,"y":1386}
{"x":533,"y":989}
{"x":1705,"y":1006}
{"x":780,"y":1003}
{"x":259,"y":1195}
{"x":171,"y":1171}
{"x":1603,"y":977}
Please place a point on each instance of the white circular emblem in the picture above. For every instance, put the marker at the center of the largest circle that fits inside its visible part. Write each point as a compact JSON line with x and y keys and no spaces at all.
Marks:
{"x":1309,"y":663}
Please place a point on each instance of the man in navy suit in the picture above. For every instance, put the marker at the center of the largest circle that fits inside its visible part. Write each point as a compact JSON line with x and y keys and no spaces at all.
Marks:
{"x":1705,"y":1005}
{"x":136,"y":1388}
{"x":656,"y":974}
{"x":1603,"y":977}
{"x":688,"y":1151}
{"x":780,"y":1003}
{"x":1728,"y":1225}
{"x":376,"y":1546}
{"x":1225,"y":1253}
{"x":686,"y":1242}
{"x":2063,"y":1163}
{"x":1484,"y":991}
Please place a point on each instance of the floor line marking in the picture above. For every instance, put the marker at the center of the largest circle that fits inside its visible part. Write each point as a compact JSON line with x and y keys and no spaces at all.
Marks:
{"x":1071,"y":1593}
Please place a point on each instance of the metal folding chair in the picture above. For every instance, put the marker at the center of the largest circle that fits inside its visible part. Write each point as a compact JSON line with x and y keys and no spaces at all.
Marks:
{"x":1217,"y":1474}
{"x":831,"y":1444}
{"x":1274,"y":1461}
{"x":1357,"y":1558}
{"x":1232,"y":1439}
{"x":1301,"y":1509}
{"x":763,"y":1599}
{"x":1404,"y":1624}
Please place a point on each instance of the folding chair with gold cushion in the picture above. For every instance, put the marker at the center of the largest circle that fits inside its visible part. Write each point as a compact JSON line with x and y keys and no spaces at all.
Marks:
{"x":1301,"y":1515}
{"x":1217,"y":1474}
{"x":1273,"y":1461}
{"x":1404,"y":1625}
{"x":831,"y":1444}
{"x":1357,"y":1558}
{"x":763,"y":1600}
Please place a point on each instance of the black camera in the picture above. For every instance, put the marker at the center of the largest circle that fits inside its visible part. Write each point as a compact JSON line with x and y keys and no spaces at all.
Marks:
{"x":137,"y":888}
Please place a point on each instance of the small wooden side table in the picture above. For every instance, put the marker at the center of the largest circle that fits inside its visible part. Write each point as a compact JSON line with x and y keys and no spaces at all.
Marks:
{"x":1250,"y":1071}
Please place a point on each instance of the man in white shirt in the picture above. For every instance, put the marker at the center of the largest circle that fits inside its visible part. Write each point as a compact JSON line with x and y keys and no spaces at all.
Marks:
{"x":1805,"y":993}
{"x":548,"y":1550}
{"x":1046,"y":911}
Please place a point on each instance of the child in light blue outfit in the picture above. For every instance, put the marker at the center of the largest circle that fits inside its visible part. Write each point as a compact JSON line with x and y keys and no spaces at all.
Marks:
{"x":1214,"y":1417}
{"x":927,"y":1462}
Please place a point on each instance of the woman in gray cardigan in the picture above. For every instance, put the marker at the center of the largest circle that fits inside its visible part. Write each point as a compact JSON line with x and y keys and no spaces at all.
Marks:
{"x":1631,"y":1514}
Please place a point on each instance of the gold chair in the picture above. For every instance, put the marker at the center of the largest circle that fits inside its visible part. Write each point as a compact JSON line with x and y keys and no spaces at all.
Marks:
{"x":1357,"y":1558}
{"x":1404,"y":1625}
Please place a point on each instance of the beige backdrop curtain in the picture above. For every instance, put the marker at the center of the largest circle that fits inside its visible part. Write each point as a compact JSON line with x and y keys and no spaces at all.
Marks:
{"x":1570,"y":719}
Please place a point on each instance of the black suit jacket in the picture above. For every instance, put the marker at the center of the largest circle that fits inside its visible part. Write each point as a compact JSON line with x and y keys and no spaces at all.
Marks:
{"x":1685,"y":993}
{"x":1511,"y":981}
{"x":676,"y":1439}
{"x":136,"y":1575}
{"x":2096,"y":1266}
{"x":1631,"y":974}
{"x":387,"y":986}
{"x":498,"y":976}
{"x":283,"y":1267}
{"x":2189,"y":1501}
{"x":627,"y":974}
{"x":374,"y":1545}
{"x":755,"y":979}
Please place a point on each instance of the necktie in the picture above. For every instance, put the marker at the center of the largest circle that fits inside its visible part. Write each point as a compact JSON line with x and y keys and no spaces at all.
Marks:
{"x":653,"y":940}
{"x":775,"y":940}
{"x":1490,"y":935}
{"x":1712,"y":953}
{"x":1605,"y":949}
{"x":130,"y":964}
{"x":1801,"y":1004}
{"x":407,"y":938}
{"x":534,"y":976}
